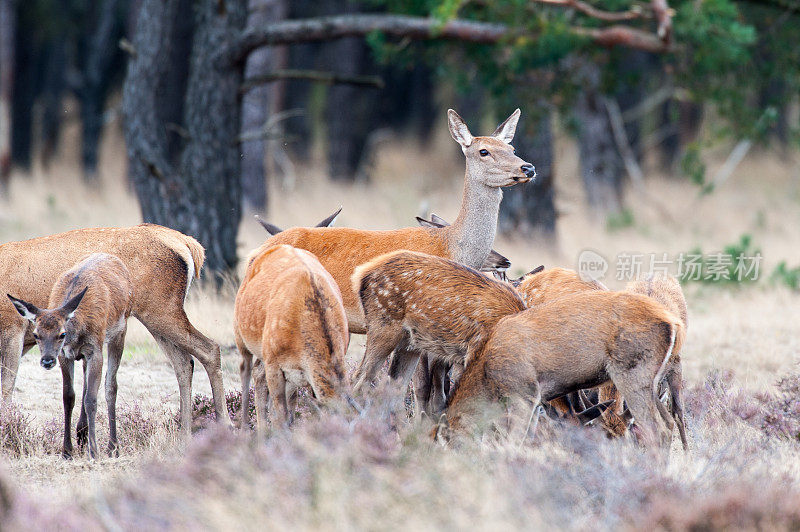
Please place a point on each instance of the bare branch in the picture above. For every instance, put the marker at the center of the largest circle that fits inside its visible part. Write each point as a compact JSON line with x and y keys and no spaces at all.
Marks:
{"x":329,"y":78}
{"x":415,"y":28}
{"x":627,"y":37}
{"x":587,"y":9}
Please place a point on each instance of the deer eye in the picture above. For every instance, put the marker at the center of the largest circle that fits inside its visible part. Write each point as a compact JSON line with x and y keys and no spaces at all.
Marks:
{"x":62,"y":336}
{"x":35,"y":336}
{"x":484,"y":153}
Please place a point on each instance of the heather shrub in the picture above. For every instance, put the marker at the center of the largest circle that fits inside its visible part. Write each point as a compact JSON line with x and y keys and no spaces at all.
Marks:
{"x":203,"y":413}
{"x":21,"y":436}
{"x":138,"y":427}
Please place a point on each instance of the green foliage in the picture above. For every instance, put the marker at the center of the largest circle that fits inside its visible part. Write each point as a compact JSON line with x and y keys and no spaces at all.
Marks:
{"x":786,"y":276}
{"x":693,"y":167}
{"x":738,"y":263}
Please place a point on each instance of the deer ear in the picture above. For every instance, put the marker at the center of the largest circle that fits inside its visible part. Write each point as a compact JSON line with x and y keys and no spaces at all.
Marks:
{"x":427,"y":223}
{"x":506,"y":130}
{"x":330,"y":220}
{"x":71,"y":306}
{"x":435,"y":218}
{"x":27,"y":310}
{"x":271,"y":229}
{"x":458,"y":129}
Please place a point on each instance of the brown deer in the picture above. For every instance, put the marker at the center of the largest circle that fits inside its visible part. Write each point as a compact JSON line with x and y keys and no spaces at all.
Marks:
{"x":490,"y":165}
{"x":402,"y":309}
{"x":431,"y":379}
{"x":667,"y":291}
{"x":578,"y":341}
{"x":88,"y":307}
{"x":162,"y":265}
{"x":289,"y":315}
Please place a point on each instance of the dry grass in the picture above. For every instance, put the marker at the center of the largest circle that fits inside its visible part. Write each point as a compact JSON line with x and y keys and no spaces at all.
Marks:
{"x":337,"y":471}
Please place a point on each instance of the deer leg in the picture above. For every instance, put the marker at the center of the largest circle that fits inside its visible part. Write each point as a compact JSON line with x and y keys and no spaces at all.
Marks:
{"x":183,"y":372}
{"x":381,"y":341}
{"x":245,"y":373}
{"x":82,"y":429}
{"x":93,"y":377}
{"x":276,"y":383}
{"x":635,"y":385}
{"x":115,"y":349}
{"x":422,"y":385}
{"x":11,"y":345}
{"x":68,"y":395}
{"x":261,"y":396}
{"x":438,"y":396}
{"x":189,"y":341}
{"x":291,"y":400}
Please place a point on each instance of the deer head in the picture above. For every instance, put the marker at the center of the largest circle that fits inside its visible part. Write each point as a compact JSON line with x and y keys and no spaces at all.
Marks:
{"x":53,"y":329}
{"x":491,"y":160}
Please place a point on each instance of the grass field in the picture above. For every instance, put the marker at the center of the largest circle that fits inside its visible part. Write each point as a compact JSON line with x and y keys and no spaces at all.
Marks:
{"x":335,"y":470}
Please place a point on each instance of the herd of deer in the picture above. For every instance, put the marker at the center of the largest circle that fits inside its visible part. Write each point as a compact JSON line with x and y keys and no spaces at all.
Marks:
{"x":433,"y":301}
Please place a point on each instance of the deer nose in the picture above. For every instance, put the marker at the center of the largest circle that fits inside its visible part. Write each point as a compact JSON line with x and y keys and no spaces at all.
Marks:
{"x":528,"y":170}
{"x":48,"y":363}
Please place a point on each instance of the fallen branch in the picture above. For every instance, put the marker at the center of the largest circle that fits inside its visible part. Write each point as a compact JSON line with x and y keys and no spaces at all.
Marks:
{"x":415,"y":28}
{"x":317,"y":76}
{"x":726,"y":170}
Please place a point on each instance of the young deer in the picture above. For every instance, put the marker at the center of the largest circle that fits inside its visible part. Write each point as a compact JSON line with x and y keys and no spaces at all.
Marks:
{"x":422,"y":303}
{"x":491,"y":165}
{"x":578,"y":341}
{"x":431,"y":379}
{"x":89,"y":306}
{"x":162,"y":265}
{"x":289,"y":315}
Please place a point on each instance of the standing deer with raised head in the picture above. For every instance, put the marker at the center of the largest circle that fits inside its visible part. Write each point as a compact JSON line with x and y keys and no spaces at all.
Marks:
{"x":162,"y":265}
{"x":491,"y":165}
{"x":575,"y":342}
{"x":425,"y":304}
{"x":289,"y":315}
{"x":88,"y":307}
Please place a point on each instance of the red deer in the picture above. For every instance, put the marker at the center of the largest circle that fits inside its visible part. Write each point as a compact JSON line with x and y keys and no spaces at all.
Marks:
{"x":490,"y":165}
{"x":162,"y":264}
{"x":88,"y":307}
{"x":431,"y":380}
{"x":578,"y":341}
{"x":448,"y":323}
{"x":289,"y":315}
{"x":666,"y":290}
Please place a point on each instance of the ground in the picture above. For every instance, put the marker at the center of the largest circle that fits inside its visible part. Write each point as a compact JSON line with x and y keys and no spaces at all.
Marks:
{"x":402,"y":479}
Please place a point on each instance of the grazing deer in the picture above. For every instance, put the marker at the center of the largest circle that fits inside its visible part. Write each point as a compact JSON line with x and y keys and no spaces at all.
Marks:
{"x":666,"y":290}
{"x":289,"y":315}
{"x":162,"y":265}
{"x":420,"y":303}
{"x":578,"y":341}
{"x":88,"y":307}
{"x":490,"y":165}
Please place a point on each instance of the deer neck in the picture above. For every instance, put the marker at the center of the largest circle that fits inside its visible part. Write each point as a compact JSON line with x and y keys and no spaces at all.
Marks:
{"x":472,"y":233}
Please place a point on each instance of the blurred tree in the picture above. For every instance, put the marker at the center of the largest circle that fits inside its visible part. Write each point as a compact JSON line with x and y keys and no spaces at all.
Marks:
{"x":8,"y":22}
{"x":200,"y":193}
{"x":259,"y":103}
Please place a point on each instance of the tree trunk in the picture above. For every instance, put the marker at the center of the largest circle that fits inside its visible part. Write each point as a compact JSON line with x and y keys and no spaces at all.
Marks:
{"x":258,"y":104}
{"x":95,"y":83}
{"x":51,"y":98}
{"x":23,"y":90}
{"x":601,"y":165}
{"x":7,"y":37}
{"x":201,"y":195}
{"x":530,"y":209}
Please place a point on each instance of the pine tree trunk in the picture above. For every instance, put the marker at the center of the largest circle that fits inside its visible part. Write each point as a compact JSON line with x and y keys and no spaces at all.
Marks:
{"x":601,"y":165}
{"x":201,"y":195}
{"x":7,"y":41}
{"x":95,"y":84}
{"x":258,"y":104}
{"x":529,"y":209}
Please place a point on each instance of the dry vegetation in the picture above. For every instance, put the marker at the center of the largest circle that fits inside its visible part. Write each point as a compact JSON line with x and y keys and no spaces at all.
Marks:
{"x":338,"y":470}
